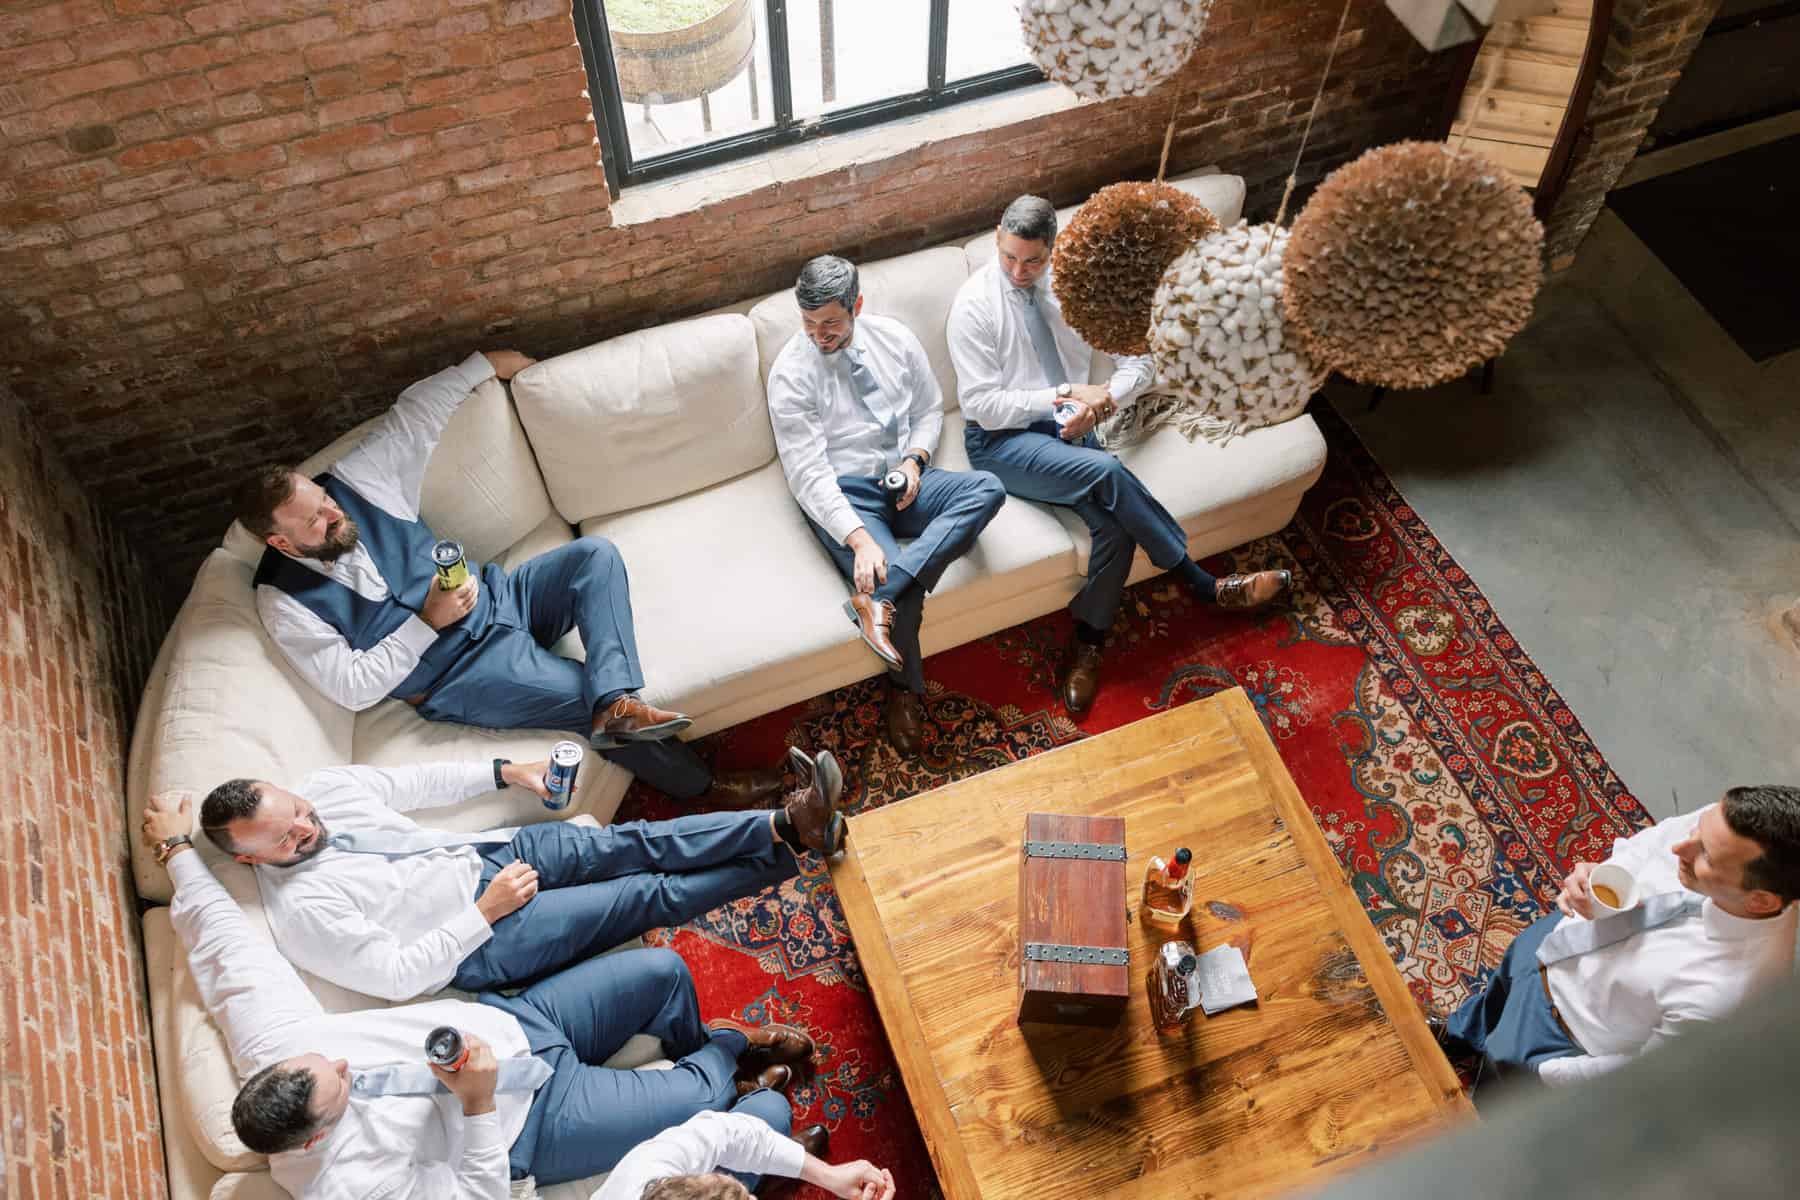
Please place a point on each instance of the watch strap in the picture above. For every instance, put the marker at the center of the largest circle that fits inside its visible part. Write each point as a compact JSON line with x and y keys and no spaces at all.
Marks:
{"x":167,"y":846}
{"x":499,"y":782}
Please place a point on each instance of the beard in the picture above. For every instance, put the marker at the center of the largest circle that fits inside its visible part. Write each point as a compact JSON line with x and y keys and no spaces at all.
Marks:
{"x":320,"y":839}
{"x":340,"y":539}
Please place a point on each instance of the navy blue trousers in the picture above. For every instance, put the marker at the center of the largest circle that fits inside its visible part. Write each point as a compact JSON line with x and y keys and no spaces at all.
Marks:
{"x":511,"y":680}
{"x":950,"y":511}
{"x":1119,"y":511}
{"x":585,"y":1118}
{"x":1510,"y":1020}
{"x":600,"y":887}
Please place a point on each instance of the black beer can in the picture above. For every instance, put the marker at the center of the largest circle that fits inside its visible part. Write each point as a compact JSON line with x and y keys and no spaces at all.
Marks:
{"x":444,"y":1047}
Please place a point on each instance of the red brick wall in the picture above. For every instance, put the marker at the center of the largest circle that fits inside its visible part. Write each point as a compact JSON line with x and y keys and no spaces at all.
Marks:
{"x":233,"y":228}
{"x":78,"y":1113}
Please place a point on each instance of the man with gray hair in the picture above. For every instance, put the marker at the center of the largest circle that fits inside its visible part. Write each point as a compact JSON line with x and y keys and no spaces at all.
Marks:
{"x":1021,"y":376}
{"x":854,"y":403}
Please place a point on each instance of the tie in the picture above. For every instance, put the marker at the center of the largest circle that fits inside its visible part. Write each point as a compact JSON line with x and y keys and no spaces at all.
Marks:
{"x":1572,"y":938}
{"x":400,"y":845}
{"x":868,"y":390}
{"x":523,"y":1074}
{"x":1042,"y":340}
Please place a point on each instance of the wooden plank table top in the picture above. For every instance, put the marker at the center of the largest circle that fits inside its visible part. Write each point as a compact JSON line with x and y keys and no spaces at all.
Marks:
{"x":1332,"y":1064}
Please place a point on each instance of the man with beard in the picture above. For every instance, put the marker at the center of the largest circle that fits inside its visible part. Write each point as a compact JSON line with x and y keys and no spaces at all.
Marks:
{"x":347,"y":589}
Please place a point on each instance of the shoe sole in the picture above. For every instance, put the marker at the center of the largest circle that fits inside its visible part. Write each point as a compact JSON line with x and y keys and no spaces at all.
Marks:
{"x":649,"y":733}
{"x":856,"y":620}
{"x":830,"y":779}
{"x":801,"y":763}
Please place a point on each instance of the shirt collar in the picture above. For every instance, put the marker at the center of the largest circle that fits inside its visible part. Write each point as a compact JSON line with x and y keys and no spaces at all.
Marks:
{"x":1726,"y":927}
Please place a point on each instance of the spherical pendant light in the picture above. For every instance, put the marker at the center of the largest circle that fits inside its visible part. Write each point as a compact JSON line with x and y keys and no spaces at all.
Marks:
{"x":1107,"y":48}
{"x":1109,"y":260}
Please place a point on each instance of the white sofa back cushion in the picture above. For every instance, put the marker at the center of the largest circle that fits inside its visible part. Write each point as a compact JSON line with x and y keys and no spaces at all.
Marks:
{"x":647,"y":416}
{"x":915,"y":289}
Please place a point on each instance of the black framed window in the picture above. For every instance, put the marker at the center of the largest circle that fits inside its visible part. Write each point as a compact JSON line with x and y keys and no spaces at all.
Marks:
{"x":682,"y":84}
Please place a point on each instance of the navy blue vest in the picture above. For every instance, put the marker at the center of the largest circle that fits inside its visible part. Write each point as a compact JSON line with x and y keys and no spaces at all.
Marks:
{"x":401,"y":551}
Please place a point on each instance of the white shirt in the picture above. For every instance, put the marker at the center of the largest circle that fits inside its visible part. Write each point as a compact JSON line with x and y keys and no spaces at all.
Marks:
{"x":707,"y":1142}
{"x":387,"y":468}
{"x":824,"y":430}
{"x":389,"y":927}
{"x":386,"y":1147}
{"x":1620,"y":1000}
{"x":1000,"y":382}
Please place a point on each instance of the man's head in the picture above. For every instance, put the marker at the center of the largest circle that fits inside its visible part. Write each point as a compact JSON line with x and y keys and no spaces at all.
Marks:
{"x":830,"y":300}
{"x":293,"y":514}
{"x":292,"y":1104}
{"x":1745,"y":852}
{"x":260,"y":824}
{"x":696,"y":1187}
{"x":1026,"y":233}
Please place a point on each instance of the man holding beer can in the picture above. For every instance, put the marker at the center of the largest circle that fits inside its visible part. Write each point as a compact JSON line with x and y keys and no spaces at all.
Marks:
{"x":350,"y":589}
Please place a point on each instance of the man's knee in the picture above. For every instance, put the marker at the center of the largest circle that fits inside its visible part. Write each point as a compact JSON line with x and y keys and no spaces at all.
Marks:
{"x":990,"y":490}
{"x":662,"y":966}
{"x":600,"y":553}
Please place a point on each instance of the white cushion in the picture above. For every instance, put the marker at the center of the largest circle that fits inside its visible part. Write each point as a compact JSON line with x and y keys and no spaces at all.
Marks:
{"x":1223,"y":196}
{"x":227,"y":706}
{"x":915,"y":289}
{"x":647,"y":416}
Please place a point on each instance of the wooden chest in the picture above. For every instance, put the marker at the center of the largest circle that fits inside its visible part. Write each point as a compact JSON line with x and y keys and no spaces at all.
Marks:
{"x":1073,"y":965}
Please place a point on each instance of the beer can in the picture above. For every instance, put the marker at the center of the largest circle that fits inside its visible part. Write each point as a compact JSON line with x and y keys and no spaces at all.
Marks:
{"x":444,"y":1046}
{"x":452,"y":568}
{"x":893,"y":484}
{"x":559,"y":780}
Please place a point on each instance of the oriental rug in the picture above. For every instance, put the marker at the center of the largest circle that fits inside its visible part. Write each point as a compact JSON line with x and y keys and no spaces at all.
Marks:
{"x":1452,"y":781}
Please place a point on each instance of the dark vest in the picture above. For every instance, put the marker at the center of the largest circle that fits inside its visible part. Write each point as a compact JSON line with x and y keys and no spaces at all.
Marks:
{"x":401,"y":551}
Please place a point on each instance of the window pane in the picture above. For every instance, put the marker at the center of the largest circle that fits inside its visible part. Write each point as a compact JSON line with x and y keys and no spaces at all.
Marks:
{"x":690,"y":71}
{"x":985,"y":35}
{"x":848,"y":52}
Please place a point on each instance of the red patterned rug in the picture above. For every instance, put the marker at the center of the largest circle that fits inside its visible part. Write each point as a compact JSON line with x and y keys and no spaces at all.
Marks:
{"x":1452,"y":781}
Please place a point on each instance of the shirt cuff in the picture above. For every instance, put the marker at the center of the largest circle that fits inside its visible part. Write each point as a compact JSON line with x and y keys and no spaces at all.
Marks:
{"x":1041,"y":406}
{"x":415,"y":635}
{"x":186,"y":868}
{"x":787,"y":1158}
{"x":476,"y":370}
{"x":843,"y":525}
{"x":482,"y":1133}
{"x":470,"y":929}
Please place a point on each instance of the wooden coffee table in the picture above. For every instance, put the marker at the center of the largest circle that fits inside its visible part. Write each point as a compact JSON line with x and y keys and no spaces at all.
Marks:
{"x":1333,"y":1064}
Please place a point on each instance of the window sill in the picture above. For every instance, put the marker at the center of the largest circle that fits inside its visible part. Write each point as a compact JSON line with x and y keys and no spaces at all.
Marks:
{"x":789,"y":164}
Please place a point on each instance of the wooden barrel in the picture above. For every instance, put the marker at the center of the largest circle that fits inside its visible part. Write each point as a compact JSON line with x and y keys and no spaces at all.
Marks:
{"x":684,"y":64}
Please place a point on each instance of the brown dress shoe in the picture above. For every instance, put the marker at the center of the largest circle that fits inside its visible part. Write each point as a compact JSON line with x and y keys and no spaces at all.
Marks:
{"x":812,"y":810}
{"x":905,"y":721}
{"x":741,"y":789}
{"x":875,"y":622}
{"x":776,"y":1077}
{"x":770,"y":1045}
{"x":630,"y":719}
{"x":1081,"y":676}
{"x":1250,"y":591}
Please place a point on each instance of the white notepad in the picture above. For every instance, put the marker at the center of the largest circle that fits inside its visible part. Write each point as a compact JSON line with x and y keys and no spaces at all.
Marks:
{"x":1224,"y":980}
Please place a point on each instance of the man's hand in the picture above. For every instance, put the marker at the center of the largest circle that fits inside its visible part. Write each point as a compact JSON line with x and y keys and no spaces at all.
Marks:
{"x":1081,"y":423}
{"x":1576,"y":899}
{"x":167,"y":815}
{"x":859,"y":1180}
{"x":910,"y":468}
{"x":447,"y":608}
{"x":529,"y":776}
{"x":474,"y":1084}
{"x":511,"y":890}
{"x":871,"y":560}
{"x":506,"y":363}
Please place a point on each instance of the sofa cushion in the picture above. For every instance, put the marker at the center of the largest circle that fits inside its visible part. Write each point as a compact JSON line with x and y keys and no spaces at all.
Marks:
{"x":650,"y":415}
{"x":916,"y":289}
{"x":482,"y":485}
{"x":227,"y":706}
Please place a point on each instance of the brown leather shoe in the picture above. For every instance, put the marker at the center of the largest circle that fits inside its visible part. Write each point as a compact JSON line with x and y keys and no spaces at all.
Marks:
{"x":741,"y":789}
{"x":1251,"y":591}
{"x":776,"y":1077}
{"x":1081,"y":675}
{"x":812,"y":808}
{"x":905,"y":721}
{"x":770,"y":1045}
{"x":815,"y":1140}
{"x":630,"y":719}
{"x":875,"y":622}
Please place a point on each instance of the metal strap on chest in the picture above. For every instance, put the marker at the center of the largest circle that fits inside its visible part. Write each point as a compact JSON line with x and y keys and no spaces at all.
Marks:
{"x":1110,"y":956}
{"x":1099,"y":851}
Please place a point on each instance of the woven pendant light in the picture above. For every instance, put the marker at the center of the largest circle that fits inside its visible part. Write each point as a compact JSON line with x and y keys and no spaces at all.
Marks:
{"x":1411,"y":265}
{"x":1106,"y":48}
{"x":1217,"y":330}
{"x":1107,"y":263}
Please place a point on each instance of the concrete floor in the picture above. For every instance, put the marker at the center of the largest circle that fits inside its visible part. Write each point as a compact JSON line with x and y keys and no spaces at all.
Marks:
{"x":1629,"y":499}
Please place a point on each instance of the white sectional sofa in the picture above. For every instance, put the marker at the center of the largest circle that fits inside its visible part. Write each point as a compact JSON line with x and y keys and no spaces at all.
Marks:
{"x":660,"y":441}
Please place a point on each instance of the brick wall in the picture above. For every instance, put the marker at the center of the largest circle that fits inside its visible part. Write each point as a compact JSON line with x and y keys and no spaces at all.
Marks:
{"x":233,"y":228}
{"x":1650,"y":42}
{"x":78,"y":1113}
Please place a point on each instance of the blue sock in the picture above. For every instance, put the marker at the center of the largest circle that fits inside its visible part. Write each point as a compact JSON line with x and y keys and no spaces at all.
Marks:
{"x":1195,"y":576}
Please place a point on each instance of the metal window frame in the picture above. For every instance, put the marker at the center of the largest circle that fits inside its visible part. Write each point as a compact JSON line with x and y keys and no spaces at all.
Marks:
{"x":623,"y":170}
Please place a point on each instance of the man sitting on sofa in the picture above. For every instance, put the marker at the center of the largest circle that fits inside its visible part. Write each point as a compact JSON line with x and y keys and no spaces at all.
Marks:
{"x":727,"y":1156}
{"x":851,"y":399}
{"x":360,"y":895}
{"x":1021,"y":377}
{"x":347,"y":1107}
{"x":347,"y":590}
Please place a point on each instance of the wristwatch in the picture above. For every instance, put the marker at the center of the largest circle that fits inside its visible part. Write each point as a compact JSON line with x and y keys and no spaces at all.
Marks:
{"x":914,"y":456}
{"x":499,"y":780}
{"x":1064,"y":390}
{"x":167,"y":846}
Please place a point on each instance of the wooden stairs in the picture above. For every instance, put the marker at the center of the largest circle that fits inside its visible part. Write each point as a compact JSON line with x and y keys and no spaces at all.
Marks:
{"x":1521,"y":86}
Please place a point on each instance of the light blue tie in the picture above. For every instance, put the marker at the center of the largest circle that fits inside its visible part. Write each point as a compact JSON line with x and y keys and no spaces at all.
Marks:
{"x":1572,"y":938}
{"x":868,"y":390}
{"x":1042,"y":340}
{"x":401,"y":845}
{"x":523,"y":1074}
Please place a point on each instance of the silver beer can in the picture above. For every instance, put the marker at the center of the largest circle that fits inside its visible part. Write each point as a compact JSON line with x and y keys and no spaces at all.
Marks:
{"x":559,"y":780}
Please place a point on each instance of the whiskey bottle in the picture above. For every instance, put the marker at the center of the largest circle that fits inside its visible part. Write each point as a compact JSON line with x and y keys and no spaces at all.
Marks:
{"x":1168,"y":890}
{"x":1172,"y":992}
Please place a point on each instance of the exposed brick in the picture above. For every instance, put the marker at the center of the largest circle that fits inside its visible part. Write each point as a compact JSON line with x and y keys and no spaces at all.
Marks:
{"x":268,"y":129}
{"x":93,"y":77}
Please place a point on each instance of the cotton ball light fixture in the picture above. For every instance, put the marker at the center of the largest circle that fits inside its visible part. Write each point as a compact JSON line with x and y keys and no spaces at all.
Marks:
{"x":1217,"y":331}
{"x":1106,"y":48}
{"x":1107,"y":263}
{"x":1411,"y":265}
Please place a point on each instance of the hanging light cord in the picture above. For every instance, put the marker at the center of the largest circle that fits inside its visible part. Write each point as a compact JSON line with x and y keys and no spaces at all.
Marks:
{"x":1162,"y":164}
{"x":1294,"y":174}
